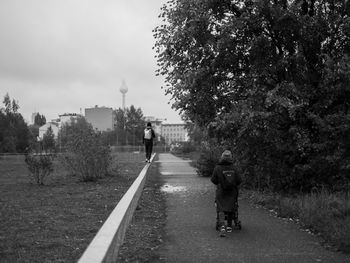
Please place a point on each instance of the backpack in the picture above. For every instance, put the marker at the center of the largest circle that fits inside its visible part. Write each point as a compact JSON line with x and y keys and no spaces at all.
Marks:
{"x":228,"y":180}
{"x":148,"y":134}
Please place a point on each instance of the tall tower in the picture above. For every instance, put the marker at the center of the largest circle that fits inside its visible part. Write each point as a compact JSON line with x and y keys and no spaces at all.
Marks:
{"x":123,"y":89}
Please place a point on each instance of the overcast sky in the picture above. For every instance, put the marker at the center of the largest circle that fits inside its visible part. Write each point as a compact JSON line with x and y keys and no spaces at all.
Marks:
{"x":57,"y":56}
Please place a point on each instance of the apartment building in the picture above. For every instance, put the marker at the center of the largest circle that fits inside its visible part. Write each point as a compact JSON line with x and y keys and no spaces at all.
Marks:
{"x":101,"y":118}
{"x":56,"y":124}
{"x":43,"y":129}
{"x":156,"y":125}
{"x":67,"y":118}
{"x":173,"y":133}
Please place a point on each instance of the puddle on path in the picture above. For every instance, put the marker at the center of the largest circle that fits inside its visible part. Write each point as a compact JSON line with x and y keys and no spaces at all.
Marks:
{"x":172,"y":189}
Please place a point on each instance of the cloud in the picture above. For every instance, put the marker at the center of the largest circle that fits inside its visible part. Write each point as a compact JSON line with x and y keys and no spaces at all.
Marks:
{"x":73,"y":40}
{"x":60,"y":56}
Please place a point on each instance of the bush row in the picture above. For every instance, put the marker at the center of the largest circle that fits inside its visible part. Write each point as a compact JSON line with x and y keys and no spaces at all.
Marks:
{"x":83,"y":154}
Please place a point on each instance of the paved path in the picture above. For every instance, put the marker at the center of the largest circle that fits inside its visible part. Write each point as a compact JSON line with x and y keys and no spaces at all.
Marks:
{"x":191,"y":235}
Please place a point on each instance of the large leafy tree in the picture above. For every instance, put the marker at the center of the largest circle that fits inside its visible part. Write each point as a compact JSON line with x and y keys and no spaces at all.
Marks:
{"x":14,"y":133}
{"x":49,"y":143}
{"x":129,"y":125}
{"x":270,"y":78}
{"x":39,"y":120}
{"x":120,"y":122}
{"x":135,"y":124}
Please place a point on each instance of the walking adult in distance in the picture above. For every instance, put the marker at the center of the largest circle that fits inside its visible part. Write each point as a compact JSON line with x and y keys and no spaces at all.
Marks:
{"x":148,"y":136}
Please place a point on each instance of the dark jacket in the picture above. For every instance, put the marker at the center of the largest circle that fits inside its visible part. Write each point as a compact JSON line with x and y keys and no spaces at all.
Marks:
{"x":148,"y":140}
{"x":225,"y":200}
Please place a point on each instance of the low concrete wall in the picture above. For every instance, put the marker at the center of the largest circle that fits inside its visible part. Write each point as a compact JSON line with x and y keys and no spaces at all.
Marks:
{"x":105,"y":245}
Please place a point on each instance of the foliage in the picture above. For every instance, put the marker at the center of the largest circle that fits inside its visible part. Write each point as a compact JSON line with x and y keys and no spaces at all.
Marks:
{"x":325,"y":213}
{"x":39,"y":120}
{"x":83,"y":152}
{"x":34,"y":131}
{"x":39,"y":166}
{"x":109,"y":137}
{"x":14,"y":132}
{"x":196,"y":133}
{"x":48,"y":142}
{"x":187,"y":147}
{"x":270,"y":79}
{"x":130,"y":125}
{"x":183,"y":148}
{"x":209,"y":156}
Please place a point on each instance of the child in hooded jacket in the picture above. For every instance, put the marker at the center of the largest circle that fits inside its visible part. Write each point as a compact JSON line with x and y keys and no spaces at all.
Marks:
{"x":226,"y":200}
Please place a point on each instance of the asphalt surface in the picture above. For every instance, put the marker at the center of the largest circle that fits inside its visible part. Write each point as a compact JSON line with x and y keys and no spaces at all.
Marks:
{"x":191,"y":234}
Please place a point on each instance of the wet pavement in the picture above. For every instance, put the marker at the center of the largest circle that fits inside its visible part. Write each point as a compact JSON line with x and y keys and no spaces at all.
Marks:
{"x":191,"y":234}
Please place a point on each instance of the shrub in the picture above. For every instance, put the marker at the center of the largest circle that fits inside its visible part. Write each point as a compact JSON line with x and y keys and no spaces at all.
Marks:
{"x":84,"y":154}
{"x":188,"y":147}
{"x":40,"y":166}
{"x":86,"y":164}
{"x":209,"y":157}
{"x":184,"y":148}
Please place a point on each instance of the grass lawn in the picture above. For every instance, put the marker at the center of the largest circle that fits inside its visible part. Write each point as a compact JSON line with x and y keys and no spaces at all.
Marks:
{"x":56,"y":222}
{"x":326,"y":214}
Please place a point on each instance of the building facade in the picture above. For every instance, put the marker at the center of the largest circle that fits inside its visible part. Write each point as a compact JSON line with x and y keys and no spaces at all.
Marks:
{"x":67,"y":118}
{"x":156,"y":125}
{"x":43,"y":129}
{"x":173,"y":133}
{"x":170,"y":132}
{"x":101,"y":118}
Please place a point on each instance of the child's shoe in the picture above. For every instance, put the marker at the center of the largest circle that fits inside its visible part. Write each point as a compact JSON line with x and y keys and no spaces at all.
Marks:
{"x":223,"y":231}
{"x":229,"y":229}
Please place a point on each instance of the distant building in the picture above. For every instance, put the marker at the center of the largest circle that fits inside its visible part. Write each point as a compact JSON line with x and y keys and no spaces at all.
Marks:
{"x":173,"y":133}
{"x":33,"y":117}
{"x":101,"y":118}
{"x":43,"y":129}
{"x":56,"y":124}
{"x":156,"y":125}
{"x":68,"y":118}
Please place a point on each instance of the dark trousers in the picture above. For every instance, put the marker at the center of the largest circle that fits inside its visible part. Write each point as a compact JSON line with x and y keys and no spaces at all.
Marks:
{"x":148,"y":148}
{"x":225,"y":215}
{"x":228,"y":216}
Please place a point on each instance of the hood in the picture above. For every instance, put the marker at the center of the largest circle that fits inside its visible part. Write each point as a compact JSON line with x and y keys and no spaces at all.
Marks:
{"x":225,"y":161}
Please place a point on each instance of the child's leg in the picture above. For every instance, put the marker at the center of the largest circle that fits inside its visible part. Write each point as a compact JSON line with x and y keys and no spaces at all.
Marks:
{"x":229,"y":219}
{"x":148,"y":149}
{"x":235,"y":213}
{"x":217,"y":221}
{"x":222,"y":227}
{"x":221,"y":218}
